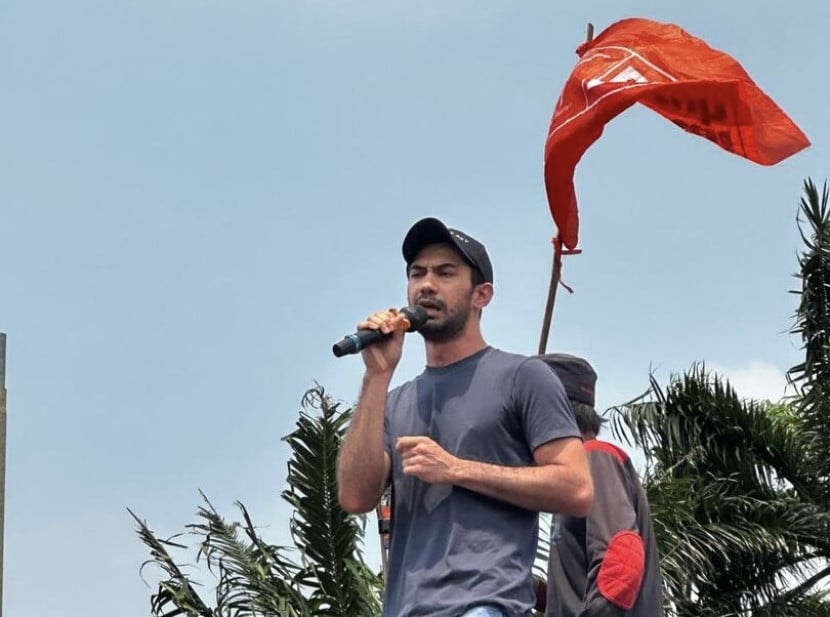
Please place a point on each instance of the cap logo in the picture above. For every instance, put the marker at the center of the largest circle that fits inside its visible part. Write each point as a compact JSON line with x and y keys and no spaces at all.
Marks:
{"x":460,"y":237}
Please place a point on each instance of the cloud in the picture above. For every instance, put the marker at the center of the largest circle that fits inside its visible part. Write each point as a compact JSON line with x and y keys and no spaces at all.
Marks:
{"x":755,"y":379}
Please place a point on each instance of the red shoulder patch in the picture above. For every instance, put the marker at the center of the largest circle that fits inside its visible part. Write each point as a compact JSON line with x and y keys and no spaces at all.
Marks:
{"x":594,"y":445}
{"x":621,"y":573}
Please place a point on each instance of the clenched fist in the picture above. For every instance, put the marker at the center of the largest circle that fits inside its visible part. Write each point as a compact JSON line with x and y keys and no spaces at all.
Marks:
{"x":426,"y":460}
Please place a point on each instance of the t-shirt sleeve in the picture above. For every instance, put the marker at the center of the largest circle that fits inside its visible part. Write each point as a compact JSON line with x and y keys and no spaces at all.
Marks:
{"x":542,"y":404}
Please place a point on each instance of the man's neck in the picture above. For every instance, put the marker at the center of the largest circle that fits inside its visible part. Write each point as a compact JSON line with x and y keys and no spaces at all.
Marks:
{"x":444,"y":353}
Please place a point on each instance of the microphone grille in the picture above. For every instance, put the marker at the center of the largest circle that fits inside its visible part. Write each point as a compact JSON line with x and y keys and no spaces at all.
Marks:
{"x":417,"y":316}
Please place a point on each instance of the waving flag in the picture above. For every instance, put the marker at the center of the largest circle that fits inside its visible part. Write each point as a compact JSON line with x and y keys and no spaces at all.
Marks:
{"x":701,"y":90}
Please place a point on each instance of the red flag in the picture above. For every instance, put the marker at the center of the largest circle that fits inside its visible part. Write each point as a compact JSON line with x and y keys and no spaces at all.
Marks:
{"x":702,"y":90}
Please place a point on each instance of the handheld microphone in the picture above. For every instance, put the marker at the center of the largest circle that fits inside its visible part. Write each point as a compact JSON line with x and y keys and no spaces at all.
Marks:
{"x":415,"y":316}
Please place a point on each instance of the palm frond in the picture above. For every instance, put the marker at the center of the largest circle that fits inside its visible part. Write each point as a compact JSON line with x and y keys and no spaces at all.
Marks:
{"x":812,"y":322}
{"x":341,"y":583}
{"x":176,"y":595}
{"x":254,"y":577}
{"x":540,"y":564}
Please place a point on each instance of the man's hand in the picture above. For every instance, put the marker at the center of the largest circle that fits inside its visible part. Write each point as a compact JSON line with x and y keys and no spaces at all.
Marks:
{"x":383,"y":357}
{"x":426,"y":460}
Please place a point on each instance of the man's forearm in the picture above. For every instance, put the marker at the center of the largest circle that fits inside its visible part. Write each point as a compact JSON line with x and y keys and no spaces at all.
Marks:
{"x":541,"y":488}
{"x":361,"y":465}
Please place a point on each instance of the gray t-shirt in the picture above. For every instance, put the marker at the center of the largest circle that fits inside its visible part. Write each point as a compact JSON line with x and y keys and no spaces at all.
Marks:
{"x":451,"y":548}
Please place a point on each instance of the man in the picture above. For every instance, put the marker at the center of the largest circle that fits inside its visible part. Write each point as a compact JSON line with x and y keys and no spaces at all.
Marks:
{"x":474,"y":447}
{"x":605,"y":564}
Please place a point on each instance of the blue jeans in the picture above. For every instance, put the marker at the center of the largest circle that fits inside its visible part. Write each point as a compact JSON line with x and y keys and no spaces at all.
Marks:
{"x":484,"y":611}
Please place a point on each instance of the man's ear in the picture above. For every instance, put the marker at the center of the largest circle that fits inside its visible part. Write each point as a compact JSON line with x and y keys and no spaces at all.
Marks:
{"x":482,"y":294}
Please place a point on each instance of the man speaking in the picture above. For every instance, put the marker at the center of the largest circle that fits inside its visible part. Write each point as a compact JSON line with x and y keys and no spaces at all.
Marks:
{"x":474,"y":447}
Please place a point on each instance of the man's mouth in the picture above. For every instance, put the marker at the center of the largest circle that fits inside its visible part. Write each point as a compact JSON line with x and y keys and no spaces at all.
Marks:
{"x":429,"y":305}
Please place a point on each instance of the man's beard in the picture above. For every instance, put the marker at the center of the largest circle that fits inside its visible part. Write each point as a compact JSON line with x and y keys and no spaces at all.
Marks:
{"x":448,"y":327}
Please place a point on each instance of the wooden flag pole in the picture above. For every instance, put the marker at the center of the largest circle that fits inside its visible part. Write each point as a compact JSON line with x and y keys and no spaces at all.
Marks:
{"x":555,"y":274}
{"x":556,"y":270}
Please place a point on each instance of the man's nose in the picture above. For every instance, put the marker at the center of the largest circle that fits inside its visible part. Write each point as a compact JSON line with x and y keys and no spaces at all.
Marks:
{"x":427,"y":285}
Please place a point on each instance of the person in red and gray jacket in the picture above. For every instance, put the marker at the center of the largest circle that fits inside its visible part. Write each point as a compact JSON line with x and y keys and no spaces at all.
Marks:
{"x":606,"y":564}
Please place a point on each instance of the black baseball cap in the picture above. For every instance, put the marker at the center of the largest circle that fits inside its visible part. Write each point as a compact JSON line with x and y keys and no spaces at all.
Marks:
{"x":576,"y":374}
{"x":432,"y":231}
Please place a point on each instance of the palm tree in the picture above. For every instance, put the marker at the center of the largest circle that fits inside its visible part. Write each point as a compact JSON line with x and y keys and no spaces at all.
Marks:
{"x":739,"y":489}
{"x":725,"y":479}
{"x":324,"y":575}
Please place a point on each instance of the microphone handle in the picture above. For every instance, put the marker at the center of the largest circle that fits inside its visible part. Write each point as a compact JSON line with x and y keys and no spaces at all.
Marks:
{"x":415,"y":317}
{"x":353,"y":343}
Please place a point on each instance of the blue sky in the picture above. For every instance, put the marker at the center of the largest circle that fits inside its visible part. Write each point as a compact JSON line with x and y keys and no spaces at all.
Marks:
{"x":198,"y":197}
